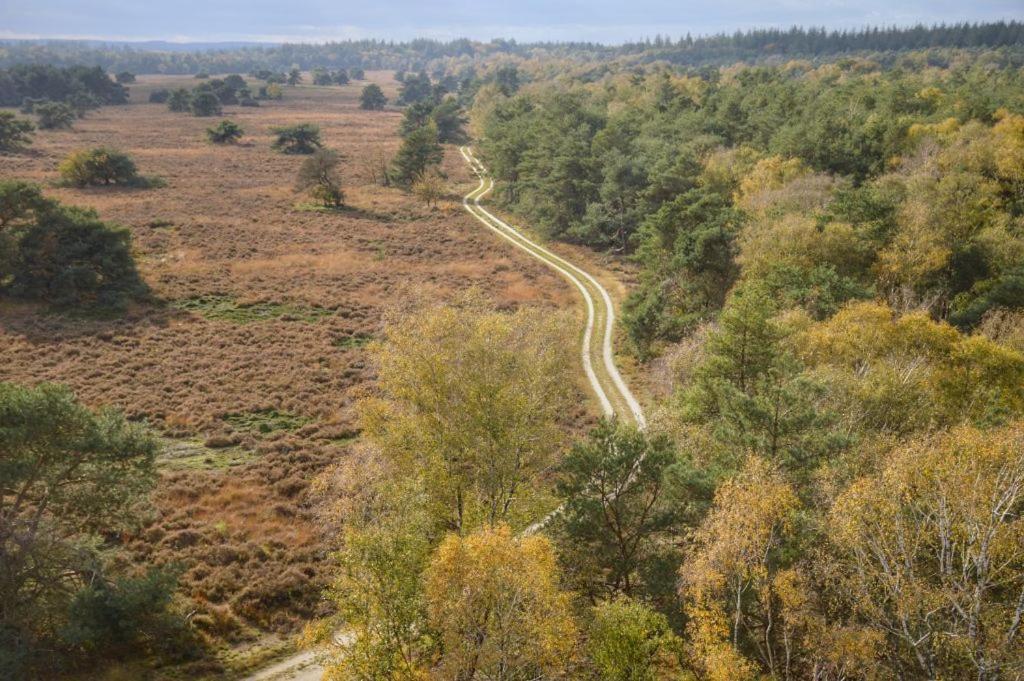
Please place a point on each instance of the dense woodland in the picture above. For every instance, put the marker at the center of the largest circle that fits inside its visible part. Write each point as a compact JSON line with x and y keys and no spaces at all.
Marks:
{"x":828,"y":307}
{"x":752,"y":46}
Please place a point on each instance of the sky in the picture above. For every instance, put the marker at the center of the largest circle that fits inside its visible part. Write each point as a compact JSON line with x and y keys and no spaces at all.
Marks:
{"x":607,"y":21}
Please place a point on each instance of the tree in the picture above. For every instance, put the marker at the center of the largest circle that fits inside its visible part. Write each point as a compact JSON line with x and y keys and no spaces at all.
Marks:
{"x":429,"y":188}
{"x":415,"y":88}
{"x":373,"y":98}
{"x":626,"y":500}
{"x":20,"y":201}
{"x":450,"y":121}
{"x":320,"y":176}
{"x":125,"y":77}
{"x":15,"y":133}
{"x":627,"y":641}
{"x":357,"y":74}
{"x":303,"y":138}
{"x":98,"y":166}
{"x":931,"y":552}
{"x":294,"y":77}
{"x":418,"y":152}
{"x":729,"y":577}
{"x":205,"y":104}
{"x":495,"y":603}
{"x":341,"y":77}
{"x":69,"y":257}
{"x":272,"y":91}
{"x":179,"y":100}
{"x":71,"y":479}
{"x":53,"y":115}
{"x":225,"y":132}
{"x":322,"y":77}
{"x":159,"y":96}
{"x":470,"y":402}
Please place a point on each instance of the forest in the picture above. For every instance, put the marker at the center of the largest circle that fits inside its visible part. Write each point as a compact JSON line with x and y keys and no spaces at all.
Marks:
{"x":816,"y":243}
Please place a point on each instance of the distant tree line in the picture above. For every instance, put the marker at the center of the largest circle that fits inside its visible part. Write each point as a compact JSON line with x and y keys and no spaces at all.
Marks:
{"x":751,"y":45}
{"x":78,"y":86}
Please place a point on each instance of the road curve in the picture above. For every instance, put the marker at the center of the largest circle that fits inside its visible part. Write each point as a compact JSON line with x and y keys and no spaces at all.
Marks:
{"x":611,"y":390}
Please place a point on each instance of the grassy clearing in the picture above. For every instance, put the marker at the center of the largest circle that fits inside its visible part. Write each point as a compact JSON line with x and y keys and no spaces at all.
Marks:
{"x":180,"y":455}
{"x":353,"y":342}
{"x":226,"y":308}
{"x":265,"y":421}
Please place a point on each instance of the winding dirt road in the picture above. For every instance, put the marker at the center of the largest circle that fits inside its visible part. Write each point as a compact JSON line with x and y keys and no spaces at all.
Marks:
{"x":611,"y":391}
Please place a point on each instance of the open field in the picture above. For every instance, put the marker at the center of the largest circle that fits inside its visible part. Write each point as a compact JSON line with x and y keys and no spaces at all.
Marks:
{"x":250,"y":357}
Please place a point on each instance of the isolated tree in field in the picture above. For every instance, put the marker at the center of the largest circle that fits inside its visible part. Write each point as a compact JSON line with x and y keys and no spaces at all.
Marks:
{"x":322,"y":77}
{"x":98,"y":166}
{"x":54,"y":115}
{"x":419,"y":151}
{"x":271,"y":91}
{"x":321,"y":177}
{"x":125,"y":77}
{"x":71,"y":480}
{"x":15,"y":133}
{"x":225,"y":132}
{"x":495,"y":602}
{"x":179,"y":100}
{"x":159,"y":96}
{"x":341,"y":77}
{"x":357,"y":74}
{"x":373,"y":98}
{"x":205,"y":104}
{"x":294,"y":77}
{"x":68,"y":257}
{"x":470,"y":402}
{"x":429,"y":187}
{"x":303,"y":138}
{"x":627,"y":641}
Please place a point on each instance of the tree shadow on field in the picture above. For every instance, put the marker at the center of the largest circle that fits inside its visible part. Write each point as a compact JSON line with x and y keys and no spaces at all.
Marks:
{"x":41,"y":324}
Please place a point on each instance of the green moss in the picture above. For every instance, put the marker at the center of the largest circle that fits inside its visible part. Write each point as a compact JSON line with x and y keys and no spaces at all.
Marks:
{"x":225,"y":308}
{"x":194,"y":455}
{"x":265,"y":421}
{"x":355,"y":341}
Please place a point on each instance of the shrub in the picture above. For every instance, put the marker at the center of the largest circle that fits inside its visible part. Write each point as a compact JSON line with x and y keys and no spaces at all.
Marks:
{"x":205,"y":104}
{"x":70,"y":257}
{"x":125,"y":77}
{"x":225,"y":132}
{"x":53,"y":115}
{"x":159,"y":96}
{"x":373,"y":98}
{"x":179,"y":100}
{"x":341,"y":77}
{"x":303,"y":138}
{"x":202,"y":75}
{"x":418,"y":152}
{"x":319,"y":176}
{"x":357,"y":74}
{"x":429,"y":187}
{"x":321,"y":77}
{"x":98,"y":166}
{"x":15,"y":133}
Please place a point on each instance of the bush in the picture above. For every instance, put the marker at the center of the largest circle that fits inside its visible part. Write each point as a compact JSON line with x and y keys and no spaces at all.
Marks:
{"x":99,"y":166}
{"x":319,"y":175}
{"x":70,"y":257}
{"x":357,"y":74}
{"x":53,"y":115}
{"x":373,"y":98}
{"x":303,"y":138}
{"x":15,"y":133}
{"x":225,"y":132}
{"x":125,"y":77}
{"x":205,"y":104}
{"x":159,"y":96}
{"x":321,"y":77}
{"x":179,"y":100}
{"x":429,"y":187}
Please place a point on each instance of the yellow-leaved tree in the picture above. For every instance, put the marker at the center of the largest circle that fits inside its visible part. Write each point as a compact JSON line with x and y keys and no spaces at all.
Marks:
{"x":931,"y":550}
{"x":494,"y":601}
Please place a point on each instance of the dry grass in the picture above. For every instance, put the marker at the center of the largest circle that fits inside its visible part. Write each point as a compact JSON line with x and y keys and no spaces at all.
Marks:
{"x":227,"y":229}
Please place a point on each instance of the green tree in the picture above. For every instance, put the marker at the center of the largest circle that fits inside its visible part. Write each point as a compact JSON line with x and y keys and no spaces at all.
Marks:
{"x":159,"y":96}
{"x":418,"y":152}
{"x":15,"y":133}
{"x":19,"y":201}
{"x":322,"y":77}
{"x":627,"y":641}
{"x":98,"y":166}
{"x":205,"y":104}
{"x":70,"y":479}
{"x":125,"y":77}
{"x":54,"y":115}
{"x":450,"y":121}
{"x":294,"y":77}
{"x":372,"y":98}
{"x":626,"y":500}
{"x":179,"y":100}
{"x":303,"y":138}
{"x":321,"y":177}
{"x":225,"y":132}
